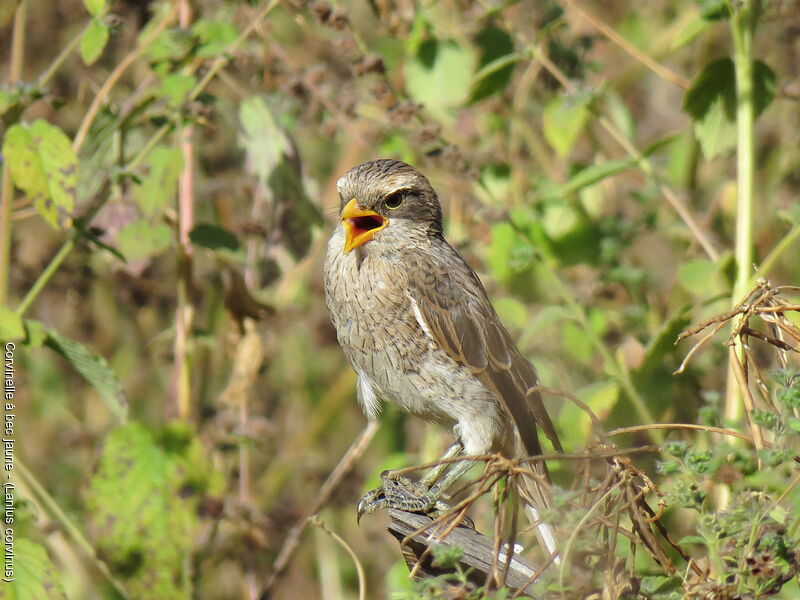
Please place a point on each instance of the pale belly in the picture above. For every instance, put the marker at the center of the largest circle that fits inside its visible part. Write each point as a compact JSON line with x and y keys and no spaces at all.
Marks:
{"x":397,"y":362}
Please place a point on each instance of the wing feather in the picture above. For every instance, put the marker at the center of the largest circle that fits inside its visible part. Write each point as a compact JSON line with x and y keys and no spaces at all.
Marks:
{"x":461,"y":320}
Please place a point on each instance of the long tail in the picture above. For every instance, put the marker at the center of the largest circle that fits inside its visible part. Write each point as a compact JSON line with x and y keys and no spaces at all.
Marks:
{"x":535,"y":492}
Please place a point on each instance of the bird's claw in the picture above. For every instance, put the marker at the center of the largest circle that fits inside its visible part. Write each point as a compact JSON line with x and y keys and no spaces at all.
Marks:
{"x":397,"y":491}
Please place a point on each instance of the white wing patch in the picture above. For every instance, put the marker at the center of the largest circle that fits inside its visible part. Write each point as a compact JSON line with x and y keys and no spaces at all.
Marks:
{"x":370,"y":403}
{"x":418,"y":316}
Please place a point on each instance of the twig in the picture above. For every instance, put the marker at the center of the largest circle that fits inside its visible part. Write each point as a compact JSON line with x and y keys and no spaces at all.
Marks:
{"x":112,"y":79}
{"x":7,"y":190}
{"x":292,"y":540}
{"x":709,"y":428}
{"x":362,"y":580}
{"x":626,"y":46}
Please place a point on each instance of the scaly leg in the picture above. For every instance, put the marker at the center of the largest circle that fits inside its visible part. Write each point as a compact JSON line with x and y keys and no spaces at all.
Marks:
{"x":397,"y":491}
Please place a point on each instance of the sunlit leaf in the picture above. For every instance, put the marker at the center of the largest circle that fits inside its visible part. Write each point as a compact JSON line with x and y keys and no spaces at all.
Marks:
{"x":716,"y":132}
{"x":35,"y":333}
{"x":563,"y":120}
{"x":176,"y":87}
{"x":601,"y":397}
{"x":142,"y":239}
{"x":93,"y":41}
{"x":215,"y":37}
{"x":171,"y":44}
{"x":44,"y":165}
{"x":272,"y":159}
{"x":262,"y":137}
{"x":160,"y":185}
{"x":688,"y":33}
{"x":701,"y":278}
{"x":143,"y":503}
{"x":35,"y":576}
{"x":591,"y":175}
{"x":11,"y":327}
{"x":440,"y":75}
{"x":95,"y":7}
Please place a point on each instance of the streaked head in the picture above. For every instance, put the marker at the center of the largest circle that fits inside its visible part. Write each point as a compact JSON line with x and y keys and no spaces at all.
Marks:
{"x":388,"y":202}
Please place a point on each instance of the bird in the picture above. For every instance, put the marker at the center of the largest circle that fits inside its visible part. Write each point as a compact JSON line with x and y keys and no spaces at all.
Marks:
{"x":418,"y":328}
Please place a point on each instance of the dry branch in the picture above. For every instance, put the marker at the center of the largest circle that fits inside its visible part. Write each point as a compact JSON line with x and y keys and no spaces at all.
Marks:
{"x":412,"y":531}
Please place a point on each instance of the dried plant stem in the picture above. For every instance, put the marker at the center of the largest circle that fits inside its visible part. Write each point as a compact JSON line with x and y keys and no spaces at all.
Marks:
{"x":362,"y":579}
{"x":115,"y":75}
{"x":678,"y":205}
{"x":68,"y":245}
{"x":709,"y":428}
{"x":7,"y":190}
{"x":628,"y":48}
{"x":184,"y":311}
{"x":742,"y":29}
{"x":292,"y":541}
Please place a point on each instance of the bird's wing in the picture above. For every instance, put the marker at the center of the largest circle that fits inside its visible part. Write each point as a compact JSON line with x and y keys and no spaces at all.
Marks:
{"x":454,"y":307}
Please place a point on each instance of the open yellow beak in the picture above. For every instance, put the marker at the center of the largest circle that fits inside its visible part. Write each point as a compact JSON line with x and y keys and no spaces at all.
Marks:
{"x":360,"y":225}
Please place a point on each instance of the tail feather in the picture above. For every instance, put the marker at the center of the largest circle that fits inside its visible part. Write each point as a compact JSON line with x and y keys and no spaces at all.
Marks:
{"x":535,"y":492}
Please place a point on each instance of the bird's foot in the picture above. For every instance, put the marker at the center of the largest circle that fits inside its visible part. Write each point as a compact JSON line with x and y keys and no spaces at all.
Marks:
{"x":397,"y":491}
{"x":400,"y":492}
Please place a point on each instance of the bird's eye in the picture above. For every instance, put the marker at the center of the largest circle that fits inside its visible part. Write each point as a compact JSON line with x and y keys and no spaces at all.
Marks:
{"x":393,"y":201}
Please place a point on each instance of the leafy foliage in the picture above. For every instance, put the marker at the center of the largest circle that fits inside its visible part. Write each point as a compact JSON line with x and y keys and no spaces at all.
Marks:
{"x":144,"y":501}
{"x":165,"y":239}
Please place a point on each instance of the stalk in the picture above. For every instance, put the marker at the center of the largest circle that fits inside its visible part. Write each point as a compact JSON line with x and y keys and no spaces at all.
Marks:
{"x":743,"y":21}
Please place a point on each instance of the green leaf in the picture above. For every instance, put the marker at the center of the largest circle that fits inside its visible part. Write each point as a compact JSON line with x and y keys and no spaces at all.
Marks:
{"x":262,"y":137}
{"x":35,"y":333}
{"x":693,"y":539}
{"x":95,"y":370}
{"x":659,"y":587}
{"x":576,"y":424}
{"x":159,"y":187}
{"x":44,"y":166}
{"x":35,"y":576}
{"x":11,"y":328}
{"x":591,"y":175}
{"x":763,"y":86}
{"x":215,"y":37}
{"x":170,"y":45}
{"x":701,"y":278}
{"x":213,"y":237}
{"x":141,"y":239}
{"x":272,"y":159}
{"x":93,"y":41}
{"x":688,"y":33}
{"x":8,"y":98}
{"x":663,"y":343}
{"x":716,"y":132}
{"x":713,"y":10}
{"x":143,"y":502}
{"x":793,"y":423}
{"x":503,"y":235}
{"x":440,"y":76}
{"x":563,"y":120}
{"x":95,"y":7}
{"x":711,"y":102}
{"x":176,"y":87}
{"x":495,"y":64}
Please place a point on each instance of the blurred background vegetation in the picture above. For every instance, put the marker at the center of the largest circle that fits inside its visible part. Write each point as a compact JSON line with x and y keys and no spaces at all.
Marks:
{"x":168,"y":188}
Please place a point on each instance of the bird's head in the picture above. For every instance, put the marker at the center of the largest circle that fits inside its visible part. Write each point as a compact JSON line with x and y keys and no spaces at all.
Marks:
{"x":388,"y":201}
